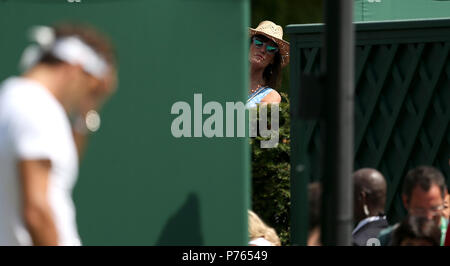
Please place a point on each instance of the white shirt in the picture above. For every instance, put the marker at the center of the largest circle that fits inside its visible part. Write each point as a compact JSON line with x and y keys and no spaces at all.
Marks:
{"x":34,"y":125}
{"x":260,"y":242}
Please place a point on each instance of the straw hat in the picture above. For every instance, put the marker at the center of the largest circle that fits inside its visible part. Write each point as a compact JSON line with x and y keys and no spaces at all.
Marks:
{"x":275,"y":33}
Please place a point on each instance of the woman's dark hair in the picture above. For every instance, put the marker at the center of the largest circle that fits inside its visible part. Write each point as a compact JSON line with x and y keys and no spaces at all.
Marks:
{"x":414,"y":227}
{"x":272,"y":73}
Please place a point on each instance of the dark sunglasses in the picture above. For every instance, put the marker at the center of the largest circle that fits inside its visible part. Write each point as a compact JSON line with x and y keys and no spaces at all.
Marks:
{"x":269,"y":48}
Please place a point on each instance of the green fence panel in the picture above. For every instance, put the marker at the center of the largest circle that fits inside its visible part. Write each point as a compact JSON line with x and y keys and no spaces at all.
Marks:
{"x":380,"y":10}
{"x":402,"y":105}
{"x":138,"y":184}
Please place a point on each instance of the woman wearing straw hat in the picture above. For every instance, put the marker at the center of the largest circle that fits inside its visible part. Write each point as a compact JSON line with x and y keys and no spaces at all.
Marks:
{"x":268,"y":54}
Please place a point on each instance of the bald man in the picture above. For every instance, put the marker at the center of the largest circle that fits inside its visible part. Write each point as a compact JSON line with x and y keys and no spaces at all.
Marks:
{"x":370,"y":198}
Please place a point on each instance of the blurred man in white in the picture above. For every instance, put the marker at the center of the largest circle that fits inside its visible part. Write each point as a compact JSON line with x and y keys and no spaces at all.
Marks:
{"x":68,"y":76}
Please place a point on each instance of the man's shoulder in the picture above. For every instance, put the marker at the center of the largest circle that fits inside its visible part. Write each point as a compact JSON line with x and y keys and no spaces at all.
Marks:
{"x":385,"y":235}
{"x":369,"y":231}
{"x":386,"y":231}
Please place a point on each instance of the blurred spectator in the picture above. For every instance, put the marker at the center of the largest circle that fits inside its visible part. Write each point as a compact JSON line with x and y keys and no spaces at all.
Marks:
{"x":314,"y":203}
{"x":259,"y":233}
{"x":446,"y":211}
{"x":417,"y":231}
{"x":369,"y":201}
{"x":69,"y":73}
{"x":423,"y":195}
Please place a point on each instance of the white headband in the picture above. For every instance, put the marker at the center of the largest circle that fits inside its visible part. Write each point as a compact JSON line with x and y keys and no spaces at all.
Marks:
{"x":74,"y":51}
{"x":70,"y":49}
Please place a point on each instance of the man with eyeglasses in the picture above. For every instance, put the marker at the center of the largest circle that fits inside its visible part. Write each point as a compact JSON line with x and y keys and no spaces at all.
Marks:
{"x":446,"y":211}
{"x":423,"y":194}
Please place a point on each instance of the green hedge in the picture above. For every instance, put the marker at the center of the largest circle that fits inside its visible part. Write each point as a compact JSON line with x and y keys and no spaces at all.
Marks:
{"x":270,"y":177}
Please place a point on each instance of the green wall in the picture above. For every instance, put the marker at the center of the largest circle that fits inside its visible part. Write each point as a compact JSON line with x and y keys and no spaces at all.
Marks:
{"x":138,"y":184}
{"x":378,"y":10}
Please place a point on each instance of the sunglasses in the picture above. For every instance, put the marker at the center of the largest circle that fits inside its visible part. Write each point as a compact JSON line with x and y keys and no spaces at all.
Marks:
{"x":434,"y":211}
{"x":269,"y":48}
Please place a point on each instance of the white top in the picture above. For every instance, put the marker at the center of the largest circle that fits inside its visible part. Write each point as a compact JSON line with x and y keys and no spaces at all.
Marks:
{"x":260,"y":242}
{"x":34,"y":125}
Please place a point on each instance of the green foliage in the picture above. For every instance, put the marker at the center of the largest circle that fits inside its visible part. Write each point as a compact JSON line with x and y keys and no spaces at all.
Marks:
{"x":270,"y":177}
{"x":285,"y":12}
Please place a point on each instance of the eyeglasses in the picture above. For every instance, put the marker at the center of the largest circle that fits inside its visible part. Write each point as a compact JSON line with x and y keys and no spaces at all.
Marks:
{"x":269,"y":48}
{"x":434,"y":211}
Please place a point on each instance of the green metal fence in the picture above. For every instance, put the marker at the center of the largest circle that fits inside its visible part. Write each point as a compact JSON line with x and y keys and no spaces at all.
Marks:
{"x":402,"y":106}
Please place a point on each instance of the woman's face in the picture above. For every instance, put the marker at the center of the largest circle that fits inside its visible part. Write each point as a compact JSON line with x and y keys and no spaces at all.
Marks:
{"x":262,"y":51}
